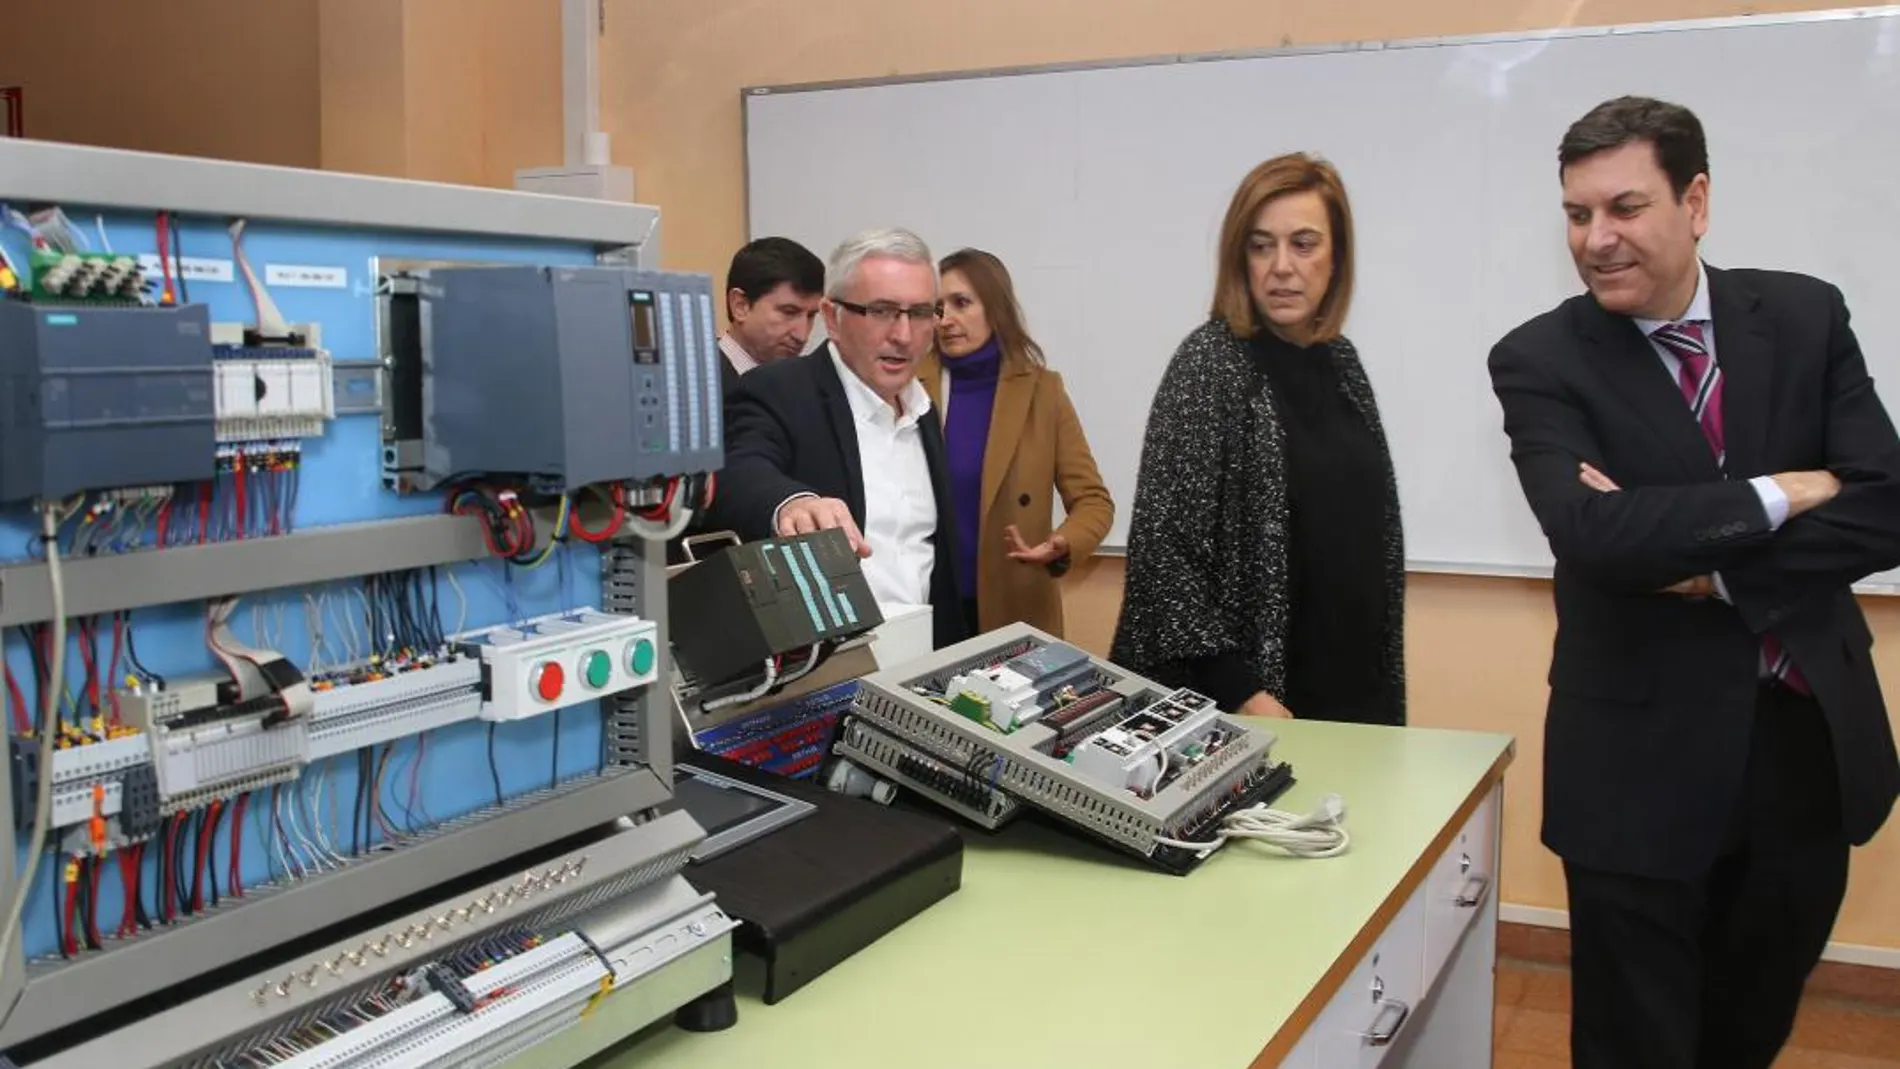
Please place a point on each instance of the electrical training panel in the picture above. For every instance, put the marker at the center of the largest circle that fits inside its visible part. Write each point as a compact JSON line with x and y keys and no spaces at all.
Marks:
{"x":331,"y":589}
{"x":1016,"y":719}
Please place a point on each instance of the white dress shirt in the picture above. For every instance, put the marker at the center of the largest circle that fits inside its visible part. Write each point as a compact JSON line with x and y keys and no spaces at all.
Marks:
{"x":900,"y":503}
{"x":736,"y":355}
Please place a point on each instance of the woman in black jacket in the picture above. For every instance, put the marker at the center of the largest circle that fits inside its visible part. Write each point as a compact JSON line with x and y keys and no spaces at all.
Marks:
{"x":1266,"y":560}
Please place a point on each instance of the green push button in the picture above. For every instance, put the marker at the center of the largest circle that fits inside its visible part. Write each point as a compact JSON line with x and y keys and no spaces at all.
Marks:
{"x":640,"y":658}
{"x":599,"y":669}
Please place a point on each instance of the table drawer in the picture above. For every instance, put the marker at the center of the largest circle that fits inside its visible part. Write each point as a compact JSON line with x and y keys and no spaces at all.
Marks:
{"x":1460,"y":882}
{"x":1360,"y":1025}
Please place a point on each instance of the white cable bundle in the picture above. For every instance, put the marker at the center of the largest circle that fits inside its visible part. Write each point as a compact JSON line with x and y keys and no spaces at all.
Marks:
{"x":1318,"y":834}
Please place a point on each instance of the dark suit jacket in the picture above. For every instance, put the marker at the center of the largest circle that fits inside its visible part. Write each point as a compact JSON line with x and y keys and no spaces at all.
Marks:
{"x":728,"y":376}
{"x":1652,"y":695}
{"x":789,"y":430}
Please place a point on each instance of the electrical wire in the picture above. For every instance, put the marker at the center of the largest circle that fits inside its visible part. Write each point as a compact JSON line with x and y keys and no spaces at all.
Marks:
{"x":178,"y":255}
{"x":494,"y":770}
{"x":50,"y":520}
{"x":617,"y":497}
{"x":554,"y":539}
{"x":415,"y":780}
{"x":270,"y":322}
{"x":1319,"y":834}
{"x":764,"y":687}
{"x":234,"y":882}
{"x":22,"y":720}
{"x":132,"y":654}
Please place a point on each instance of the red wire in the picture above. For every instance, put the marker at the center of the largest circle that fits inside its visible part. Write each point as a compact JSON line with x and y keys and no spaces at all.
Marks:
{"x":128,"y":923}
{"x":72,"y":912}
{"x":89,"y":655}
{"x":92,"y":902}
{"x":619,"y":498}
{"x":22,"y":723}
{"x":524,"y":530}
{"x":488,"y":535}
{"x":665,"y":507}
{"x":164,"y":257}
{"x":235,"y":875}
{"x":243,"y":503}
{"x":164,"y":520}
{"x":205,"y":832}
{"x":112,"y":674}
{"x":170,"y":879}
{"x":204,"y":511}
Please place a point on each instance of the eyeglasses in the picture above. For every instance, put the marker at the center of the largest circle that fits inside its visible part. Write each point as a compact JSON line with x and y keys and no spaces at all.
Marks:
{"x":885,"y":313}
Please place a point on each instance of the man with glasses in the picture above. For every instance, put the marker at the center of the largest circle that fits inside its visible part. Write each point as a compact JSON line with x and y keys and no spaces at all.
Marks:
{"x":844,"y":437}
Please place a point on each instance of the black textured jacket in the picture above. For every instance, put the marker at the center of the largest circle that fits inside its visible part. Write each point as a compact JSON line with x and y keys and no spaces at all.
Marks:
{"x":1208,"y":538}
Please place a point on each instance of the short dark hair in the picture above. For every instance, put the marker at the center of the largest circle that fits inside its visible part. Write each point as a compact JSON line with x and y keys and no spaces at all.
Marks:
{"x":1672,"y":131}
{"x":761,"y":266}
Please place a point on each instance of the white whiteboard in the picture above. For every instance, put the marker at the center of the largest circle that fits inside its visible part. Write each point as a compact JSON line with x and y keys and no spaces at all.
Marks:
{"x":1102,"y":188}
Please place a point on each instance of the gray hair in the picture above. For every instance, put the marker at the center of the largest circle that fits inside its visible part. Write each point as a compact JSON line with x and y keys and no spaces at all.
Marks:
{"x":889,"y":242}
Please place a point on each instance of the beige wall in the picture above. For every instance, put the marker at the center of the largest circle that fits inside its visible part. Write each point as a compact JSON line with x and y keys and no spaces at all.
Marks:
{"x":448,"y":90}
{"x":463,"y":91}
{"x":670,"y":98}
{"x":229,"y":79}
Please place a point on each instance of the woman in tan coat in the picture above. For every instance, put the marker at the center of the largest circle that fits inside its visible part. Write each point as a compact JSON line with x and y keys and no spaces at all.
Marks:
{"x":1013,"y":445}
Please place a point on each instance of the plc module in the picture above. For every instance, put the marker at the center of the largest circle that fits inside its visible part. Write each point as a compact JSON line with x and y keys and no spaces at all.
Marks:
{"x":1016,"y":719}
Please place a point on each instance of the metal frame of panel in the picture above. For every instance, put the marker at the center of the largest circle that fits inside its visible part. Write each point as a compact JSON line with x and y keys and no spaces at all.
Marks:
{"x":100,"y":177}
{"x":640,"y":723}
{"x":104,"y":584}
{"x":59,"y":995}
{"x":290,"y":992}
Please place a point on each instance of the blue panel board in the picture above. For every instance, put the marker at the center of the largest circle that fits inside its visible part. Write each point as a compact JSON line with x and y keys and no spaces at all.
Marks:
{"x":340,"y":482}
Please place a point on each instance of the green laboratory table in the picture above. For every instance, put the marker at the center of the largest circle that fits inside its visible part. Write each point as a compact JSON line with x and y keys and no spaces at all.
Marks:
{"x":1058,"y":952}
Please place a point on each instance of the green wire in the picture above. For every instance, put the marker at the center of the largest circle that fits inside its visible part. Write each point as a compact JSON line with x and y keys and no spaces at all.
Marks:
{"x":560,"y":531}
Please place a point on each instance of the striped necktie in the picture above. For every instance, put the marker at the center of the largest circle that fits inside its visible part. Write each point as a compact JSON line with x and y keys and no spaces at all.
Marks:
{"x":1700,"y":378}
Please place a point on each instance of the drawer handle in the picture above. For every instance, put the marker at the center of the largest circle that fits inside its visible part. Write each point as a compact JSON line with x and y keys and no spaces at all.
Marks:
{"x":1392,"y":1015}
{"x":1473,"y":891}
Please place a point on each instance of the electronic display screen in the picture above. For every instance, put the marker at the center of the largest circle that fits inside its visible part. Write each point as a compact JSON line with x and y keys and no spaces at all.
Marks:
{"x":716,"y":808}
{"x":646,"y":333}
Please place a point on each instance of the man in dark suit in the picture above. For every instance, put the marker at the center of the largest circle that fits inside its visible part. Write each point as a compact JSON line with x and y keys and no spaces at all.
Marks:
{"x":773,"y":286}
{"x":845,"y":437}
{"x":1706,"y":454}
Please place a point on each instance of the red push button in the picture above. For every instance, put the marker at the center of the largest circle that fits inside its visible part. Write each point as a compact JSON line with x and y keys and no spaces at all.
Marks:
{"x":548,"y":680}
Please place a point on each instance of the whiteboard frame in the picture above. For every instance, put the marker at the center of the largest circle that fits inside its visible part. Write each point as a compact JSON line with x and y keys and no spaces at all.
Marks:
{"x":1483,"y":571}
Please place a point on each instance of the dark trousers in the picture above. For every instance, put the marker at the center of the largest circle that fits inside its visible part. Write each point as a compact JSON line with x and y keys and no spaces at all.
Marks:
{"x":1707,"y":974}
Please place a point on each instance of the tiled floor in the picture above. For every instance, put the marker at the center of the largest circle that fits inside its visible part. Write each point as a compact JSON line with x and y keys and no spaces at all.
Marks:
{"x":1533,"y":1026}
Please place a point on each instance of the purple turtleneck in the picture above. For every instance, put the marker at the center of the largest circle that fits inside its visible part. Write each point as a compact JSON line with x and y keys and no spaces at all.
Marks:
{"x":967,"y":430}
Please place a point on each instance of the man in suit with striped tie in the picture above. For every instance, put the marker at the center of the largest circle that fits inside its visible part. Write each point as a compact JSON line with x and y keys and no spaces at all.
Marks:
{"x":1708,"y":459}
